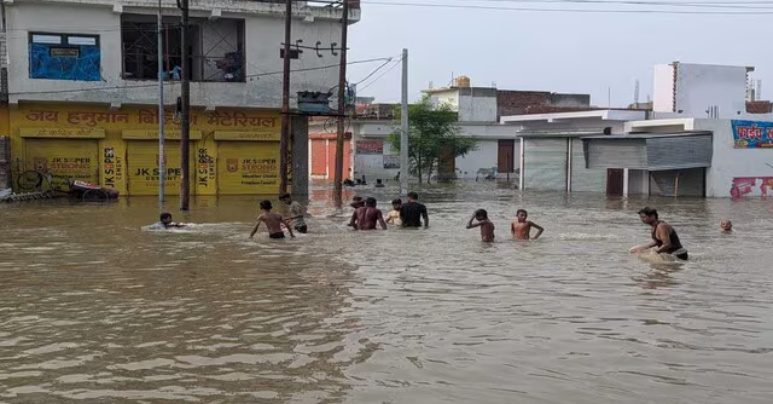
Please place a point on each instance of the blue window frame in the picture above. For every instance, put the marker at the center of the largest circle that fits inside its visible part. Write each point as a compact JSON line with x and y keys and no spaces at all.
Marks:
{"x":64,"y":57}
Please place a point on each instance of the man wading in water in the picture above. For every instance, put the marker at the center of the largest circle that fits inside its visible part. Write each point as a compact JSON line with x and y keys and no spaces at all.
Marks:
{"x":412,"y":212}
{"x":664,"y":237}
{"x":272,"y":220}
{"x":366,"y":217}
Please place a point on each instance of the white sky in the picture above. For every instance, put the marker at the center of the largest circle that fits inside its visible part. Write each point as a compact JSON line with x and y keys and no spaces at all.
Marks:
{"x":561,"y":52}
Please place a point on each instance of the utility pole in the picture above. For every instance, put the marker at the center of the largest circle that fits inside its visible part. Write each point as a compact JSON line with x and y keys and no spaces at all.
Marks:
{"x":404,"y":129}
{"x":339,"y":166}
{"x":161,"y":162}
{"x":285,"y":134}
{"x":185,"y":191}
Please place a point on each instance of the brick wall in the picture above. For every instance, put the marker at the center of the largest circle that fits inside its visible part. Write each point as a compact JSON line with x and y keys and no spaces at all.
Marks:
{"x":539,"y":102}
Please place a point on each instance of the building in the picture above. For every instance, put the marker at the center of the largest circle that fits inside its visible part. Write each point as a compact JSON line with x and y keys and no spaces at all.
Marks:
{"x":704,"y":138}
{"x":369,"y":153}
{"x":81,"y":90}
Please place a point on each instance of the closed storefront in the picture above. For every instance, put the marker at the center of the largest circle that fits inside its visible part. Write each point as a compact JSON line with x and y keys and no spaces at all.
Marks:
{"x":247,"y":163}
{"x":118,"y":148}
{"x":585,"y":179}
{"x":64,"y":155}
{"x":248,"y":168}
{"x":545,"y":164}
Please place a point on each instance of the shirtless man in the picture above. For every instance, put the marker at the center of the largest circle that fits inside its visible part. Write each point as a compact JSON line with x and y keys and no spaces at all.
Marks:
{"x":486,"y":227}
{"x":664,"y":237}
{"x":366,"y":217}
{"x":521,"y":228}
{"x":357,"y":202}
{"x":273,"y":221}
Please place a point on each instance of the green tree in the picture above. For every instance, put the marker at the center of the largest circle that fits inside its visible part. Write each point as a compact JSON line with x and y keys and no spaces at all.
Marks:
{"x":432,"y":133}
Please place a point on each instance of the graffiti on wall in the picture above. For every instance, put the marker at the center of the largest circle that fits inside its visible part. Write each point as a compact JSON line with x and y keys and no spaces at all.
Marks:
{"x":751,"y":186}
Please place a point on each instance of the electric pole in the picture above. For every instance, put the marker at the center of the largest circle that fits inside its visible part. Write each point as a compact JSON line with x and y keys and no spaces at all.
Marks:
{"x":339,"y":166}
{"x":285,"y":134}
{"x":186,"y":106}
{"x":404,"y":129}
{"x":161,"y":162}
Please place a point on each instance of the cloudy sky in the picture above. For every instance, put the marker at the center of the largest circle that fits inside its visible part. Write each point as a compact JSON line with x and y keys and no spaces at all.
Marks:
{"x":575,"y":52}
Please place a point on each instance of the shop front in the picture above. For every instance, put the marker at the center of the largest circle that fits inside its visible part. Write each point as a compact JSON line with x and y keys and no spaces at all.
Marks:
{"x":233,"y":151}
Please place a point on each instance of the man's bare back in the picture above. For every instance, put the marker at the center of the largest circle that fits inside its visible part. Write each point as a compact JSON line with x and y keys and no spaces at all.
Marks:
{"x":273,"y":222}
{"x":368,"y":216}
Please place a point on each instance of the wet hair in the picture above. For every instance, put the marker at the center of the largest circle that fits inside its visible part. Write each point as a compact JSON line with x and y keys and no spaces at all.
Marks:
{"x":397,"y":201}
{"x":284,"y":196}
{"x":371,"y":202}
{"x":519,"y":211}
{"x":265,"y":205}
{"x":647,"y":211}
{"x":164,"y":216}
{"x":481,"y":213}
{"x":413,"y":195}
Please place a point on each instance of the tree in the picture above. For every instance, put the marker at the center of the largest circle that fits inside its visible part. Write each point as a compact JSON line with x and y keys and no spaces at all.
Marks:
{"x":432,"y":134}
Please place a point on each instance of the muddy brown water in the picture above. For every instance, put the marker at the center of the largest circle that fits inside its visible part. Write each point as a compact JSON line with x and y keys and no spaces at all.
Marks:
{"x":93,"y":309}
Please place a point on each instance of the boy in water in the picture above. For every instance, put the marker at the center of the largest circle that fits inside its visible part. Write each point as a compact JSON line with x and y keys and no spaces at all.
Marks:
{"x":521,"y":228}
{"x":393,"y":217}
{"x":297,"y":213}
{"x":664,"y":237}
{"x":272,"y":220}
{"x":165,"y":222}
{"x":486,"y":227}
{"x":726,"y":225}
{"x":366,"y":217}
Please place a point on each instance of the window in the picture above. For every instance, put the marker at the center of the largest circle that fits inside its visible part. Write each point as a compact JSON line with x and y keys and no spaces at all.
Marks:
{"x":64,"y":57}
{"x":216,"y":48}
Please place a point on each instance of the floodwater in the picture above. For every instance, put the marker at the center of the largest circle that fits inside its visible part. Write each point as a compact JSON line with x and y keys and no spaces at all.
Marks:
{"x":93,"y":309}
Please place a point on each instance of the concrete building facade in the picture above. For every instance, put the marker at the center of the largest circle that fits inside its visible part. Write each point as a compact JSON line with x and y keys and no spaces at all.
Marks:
{"x":82,"y":89}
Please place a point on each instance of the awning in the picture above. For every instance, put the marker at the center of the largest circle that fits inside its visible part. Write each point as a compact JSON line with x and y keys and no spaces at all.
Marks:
{"x":652,"y":152}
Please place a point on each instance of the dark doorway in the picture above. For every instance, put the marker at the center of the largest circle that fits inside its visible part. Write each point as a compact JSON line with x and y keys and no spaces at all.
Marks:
{"x":615,"y":181}
{"x":506,"y":156}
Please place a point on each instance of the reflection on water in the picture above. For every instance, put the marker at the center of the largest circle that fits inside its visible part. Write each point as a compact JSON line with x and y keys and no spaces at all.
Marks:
{"x":92,"y":308}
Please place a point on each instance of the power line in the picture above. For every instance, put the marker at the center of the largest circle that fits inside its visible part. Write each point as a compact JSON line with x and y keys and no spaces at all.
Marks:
{"x":561,"y":10}
{"x":396,"y":63}
{"x":130,"y":87}
{"x":374,"y":71}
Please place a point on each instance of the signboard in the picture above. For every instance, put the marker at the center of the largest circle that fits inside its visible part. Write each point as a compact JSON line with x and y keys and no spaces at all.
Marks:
{"x":63,"y":159}
{"x":112,"y":170}
{"x":245,"y":168}
{"x":143,"y":172}
{"x":370,"y":147}
{"x":255,"y":135}
{"x":752,"y":134}
{"x":152,"y":134}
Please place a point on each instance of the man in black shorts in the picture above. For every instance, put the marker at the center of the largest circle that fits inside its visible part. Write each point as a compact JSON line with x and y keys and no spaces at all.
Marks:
{"x":412,"y":212}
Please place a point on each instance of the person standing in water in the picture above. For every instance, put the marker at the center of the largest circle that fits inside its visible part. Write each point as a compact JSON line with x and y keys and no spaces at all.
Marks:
{"x":297,"y":213}
{"x":366,"y":217}
{"x":726,"y":225}
{"x":664,"y":237}
{"x":486,"y":227}
{"x":273,"y":222}
{"x":393,"y":216}
{"x":412,"y":212}
{"x":521,"y":227}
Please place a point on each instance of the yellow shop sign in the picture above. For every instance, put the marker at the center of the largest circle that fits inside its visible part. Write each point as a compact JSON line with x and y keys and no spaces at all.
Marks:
{"x":63,"y":133}
{"x":151,"y":134}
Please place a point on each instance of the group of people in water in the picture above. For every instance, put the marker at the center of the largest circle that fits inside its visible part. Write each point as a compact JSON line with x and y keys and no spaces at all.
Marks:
{"x":412,"y":213}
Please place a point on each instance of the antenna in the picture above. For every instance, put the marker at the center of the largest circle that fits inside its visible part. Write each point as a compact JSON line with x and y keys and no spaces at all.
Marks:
{"x":636,"y":93}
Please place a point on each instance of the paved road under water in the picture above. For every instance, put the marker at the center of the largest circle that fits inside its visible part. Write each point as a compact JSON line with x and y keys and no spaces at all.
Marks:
{"x":94,"y":309}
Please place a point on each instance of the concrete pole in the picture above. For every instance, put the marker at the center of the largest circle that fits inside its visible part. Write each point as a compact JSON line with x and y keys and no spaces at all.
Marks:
{"x":185,"y":191}
{"x":339,"y":167}
{"x":404,"y":129}
{"x":285,"y":135}
{"x":161,"y":162}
